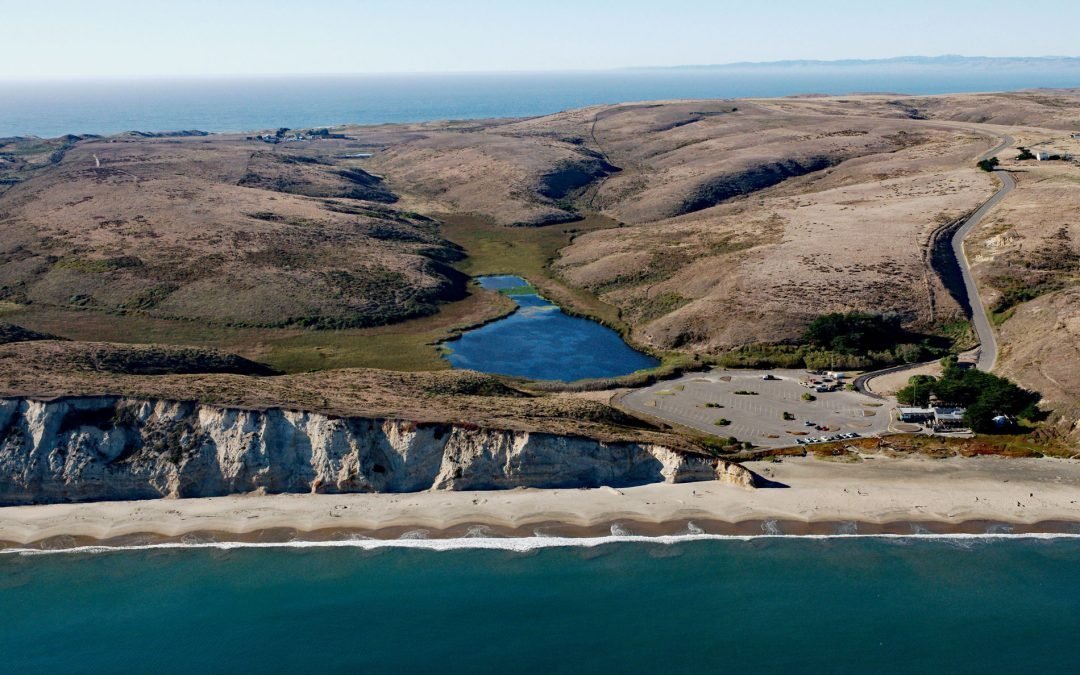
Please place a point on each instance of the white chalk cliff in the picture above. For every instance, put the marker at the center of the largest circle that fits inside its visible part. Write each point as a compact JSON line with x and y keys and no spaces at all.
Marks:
{"x":111,"y":448}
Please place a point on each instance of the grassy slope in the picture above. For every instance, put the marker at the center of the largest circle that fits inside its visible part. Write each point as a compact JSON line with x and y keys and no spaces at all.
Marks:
{"x":410,"y":345}
{"x":405,"y":346}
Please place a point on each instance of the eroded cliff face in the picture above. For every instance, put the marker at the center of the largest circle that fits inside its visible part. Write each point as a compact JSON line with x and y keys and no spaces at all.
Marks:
{"x":110,"y":448}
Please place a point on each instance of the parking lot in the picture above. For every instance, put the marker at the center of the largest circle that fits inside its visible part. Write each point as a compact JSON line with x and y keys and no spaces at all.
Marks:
{"x":699,"y":400}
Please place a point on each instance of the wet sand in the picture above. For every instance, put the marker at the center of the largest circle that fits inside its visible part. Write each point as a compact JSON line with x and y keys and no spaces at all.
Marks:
{"x":878,"y":495}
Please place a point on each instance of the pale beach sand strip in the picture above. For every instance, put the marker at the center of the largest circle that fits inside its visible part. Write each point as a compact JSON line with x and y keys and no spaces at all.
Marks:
{"x":877,"y":490}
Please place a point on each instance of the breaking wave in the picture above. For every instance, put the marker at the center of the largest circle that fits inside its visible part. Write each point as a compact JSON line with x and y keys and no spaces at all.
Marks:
{"x":526,"y":544}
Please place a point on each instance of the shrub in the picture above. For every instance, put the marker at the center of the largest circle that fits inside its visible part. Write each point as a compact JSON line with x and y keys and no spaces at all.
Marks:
{"x":918,"y":390}
{"x":722,"y":422}
{"x":989,"y":164}
{"x":745,"y":392}
{"x":788,"y":417}
{"x":807,"y":396}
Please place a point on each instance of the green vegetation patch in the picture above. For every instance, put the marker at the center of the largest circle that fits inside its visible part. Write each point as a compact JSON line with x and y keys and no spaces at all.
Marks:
{"x":1049,"y":268}
{"x":845,"y":341}
{"x":984,"y":395}
{"x":652,"y":308}
{"x":1016,"y":289}
{"x":528,"y":289}
{"x":854,"y":332}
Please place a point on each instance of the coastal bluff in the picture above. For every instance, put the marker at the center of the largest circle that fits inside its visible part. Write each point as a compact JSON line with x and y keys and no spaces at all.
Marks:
{"x":98,"y":448}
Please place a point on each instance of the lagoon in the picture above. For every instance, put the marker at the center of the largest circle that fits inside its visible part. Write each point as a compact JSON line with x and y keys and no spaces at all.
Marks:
{"x":541,"y":342}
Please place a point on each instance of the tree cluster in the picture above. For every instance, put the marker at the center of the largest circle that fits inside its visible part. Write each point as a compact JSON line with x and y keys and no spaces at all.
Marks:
{"x":984,"y":395}
{"x":855,"y":332}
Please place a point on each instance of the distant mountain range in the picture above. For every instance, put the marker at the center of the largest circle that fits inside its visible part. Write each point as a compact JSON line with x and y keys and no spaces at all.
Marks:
{"x":950,"y":61}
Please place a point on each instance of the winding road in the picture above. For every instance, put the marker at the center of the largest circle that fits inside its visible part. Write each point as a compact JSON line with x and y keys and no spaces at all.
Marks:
{"x":980,"y":319}
{"x":988,"y":349}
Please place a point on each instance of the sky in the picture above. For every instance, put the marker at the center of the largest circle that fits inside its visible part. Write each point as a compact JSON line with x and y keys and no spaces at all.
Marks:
{"x":59,"y":39}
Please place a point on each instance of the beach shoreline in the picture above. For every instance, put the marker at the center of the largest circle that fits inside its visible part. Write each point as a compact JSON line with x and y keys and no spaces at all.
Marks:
{"x":875,"y":496}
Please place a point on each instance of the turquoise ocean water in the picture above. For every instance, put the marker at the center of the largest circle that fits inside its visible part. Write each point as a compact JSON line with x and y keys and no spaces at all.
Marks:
{"x":838,"y":605}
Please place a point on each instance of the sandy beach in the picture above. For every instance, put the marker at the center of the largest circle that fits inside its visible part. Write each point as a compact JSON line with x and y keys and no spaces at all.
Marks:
{"x":879,"y":494}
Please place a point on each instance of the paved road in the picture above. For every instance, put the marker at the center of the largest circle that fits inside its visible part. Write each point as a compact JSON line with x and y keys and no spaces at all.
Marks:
{"x":980,"y":319}
{"x":646,"y":401}
{"x":988,"y":349}
{"x":983,"y":328}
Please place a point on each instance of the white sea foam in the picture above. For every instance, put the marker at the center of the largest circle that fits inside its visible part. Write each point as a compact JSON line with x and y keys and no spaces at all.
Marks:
{"x":526,"y":544}
{"x":771,"y":528}
{"x":618,"y":530}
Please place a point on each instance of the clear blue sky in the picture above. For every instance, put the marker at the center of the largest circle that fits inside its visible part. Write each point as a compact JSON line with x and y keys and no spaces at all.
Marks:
{"x":118,"y":38}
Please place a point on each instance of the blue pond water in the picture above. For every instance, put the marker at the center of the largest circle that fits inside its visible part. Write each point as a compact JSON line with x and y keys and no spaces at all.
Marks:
{"x":541,"y":342}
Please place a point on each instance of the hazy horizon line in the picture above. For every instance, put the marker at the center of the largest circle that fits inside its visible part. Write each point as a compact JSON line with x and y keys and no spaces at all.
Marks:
{"x":930,"y":60}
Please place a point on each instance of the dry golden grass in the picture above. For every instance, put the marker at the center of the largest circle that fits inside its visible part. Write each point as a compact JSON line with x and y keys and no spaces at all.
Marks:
{"x":220,"y":230}
{"x":48,"y":368}
{"x":689,"y":225}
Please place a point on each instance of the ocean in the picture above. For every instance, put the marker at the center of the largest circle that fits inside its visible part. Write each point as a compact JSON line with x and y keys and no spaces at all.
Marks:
{"x":55,"y":108}
{"x":771,"y":604}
